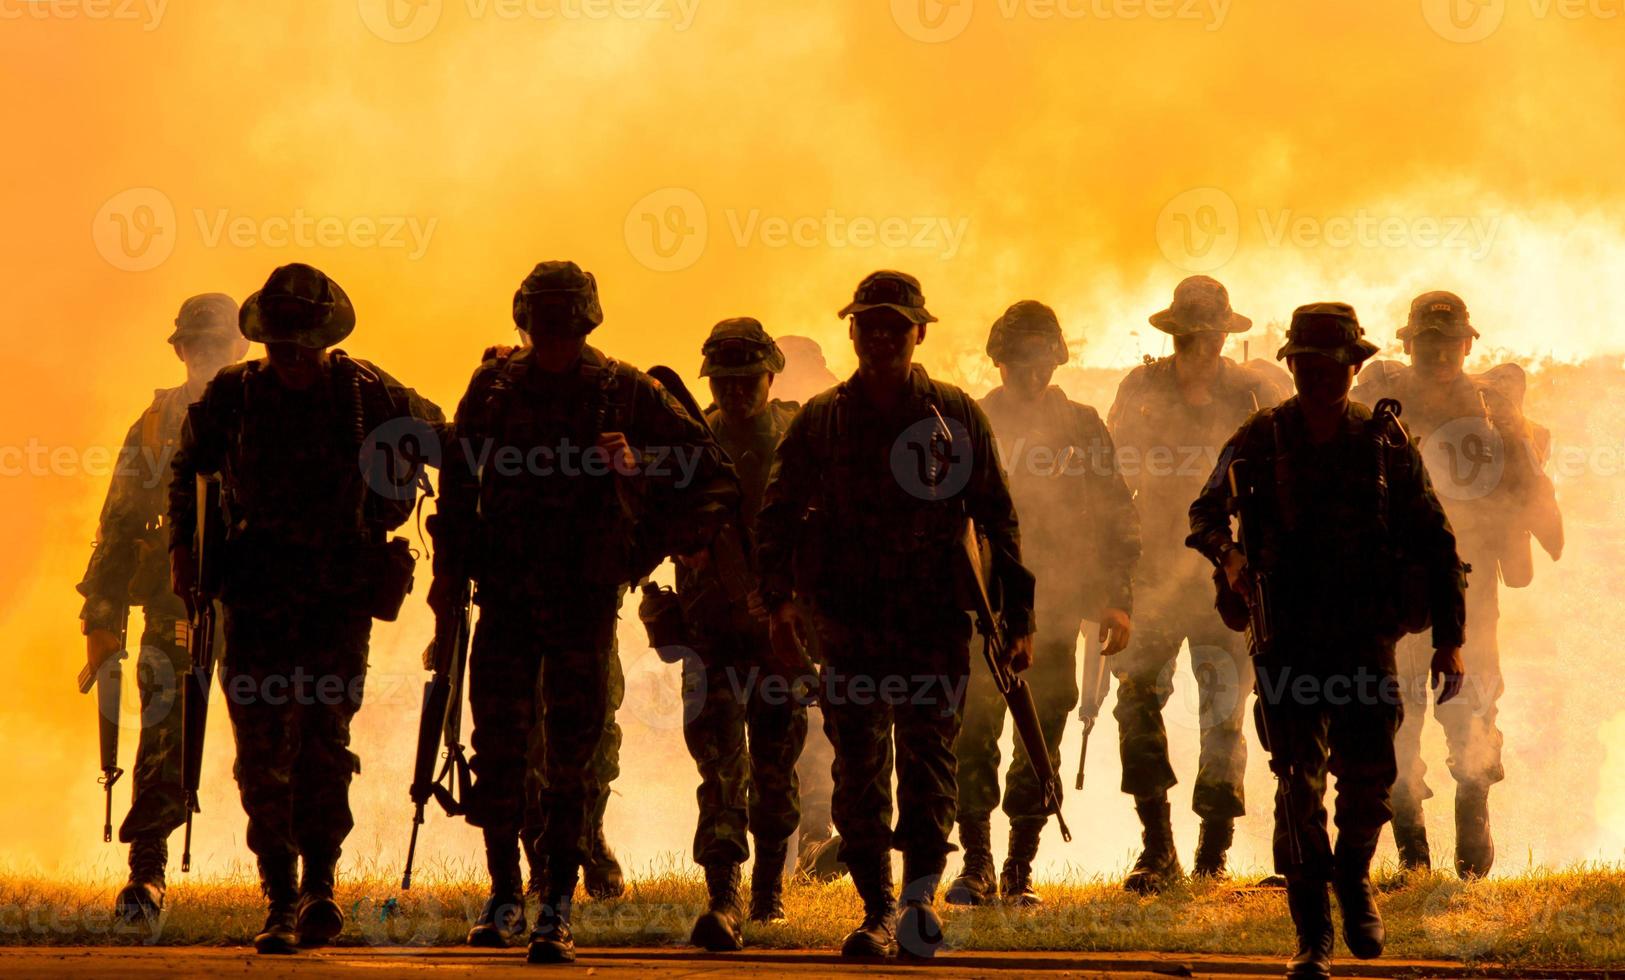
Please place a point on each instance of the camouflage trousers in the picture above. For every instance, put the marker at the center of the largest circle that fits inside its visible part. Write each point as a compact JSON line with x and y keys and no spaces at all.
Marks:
{"x":157,"y":804}
{"x":1315,"y":730}
{"x":559,"y":650}
{"x":893,"y":694}
{"x":1145,"y":683}
{"x":745,"y":732}
{"x":1468,"y":721}
{"x":606,"y":763}
{"x":293,"y":680}
{"x":1054,"y":683}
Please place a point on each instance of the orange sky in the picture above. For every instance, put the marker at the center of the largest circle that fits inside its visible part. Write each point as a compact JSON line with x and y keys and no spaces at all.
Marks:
{"x":1088,"y":153}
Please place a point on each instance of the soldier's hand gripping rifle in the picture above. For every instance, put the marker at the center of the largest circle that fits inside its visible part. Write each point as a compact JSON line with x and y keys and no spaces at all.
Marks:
{"x":1096,"y":684}
{"x":1260,"y":632}
{"x":207,"y":542}
{"x":441,"y":723}
{"x":104,"y":671}
{"x":1019,"y":697}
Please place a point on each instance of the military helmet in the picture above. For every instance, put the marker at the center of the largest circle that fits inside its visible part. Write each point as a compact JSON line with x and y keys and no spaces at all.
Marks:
{"x":298,"y":304}
{"x":1438,"y":310}
{"x":558,"y":298}
{"x":1201,"y":304}
{"x":209,"y":315}
{"x":1028,"y":331}
{"x":740,"y":346}
{"x":890,"y":289}
{"x":1329,"y":329}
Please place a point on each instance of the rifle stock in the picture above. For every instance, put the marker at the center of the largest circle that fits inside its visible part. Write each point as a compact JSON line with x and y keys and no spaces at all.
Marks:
{"x":1017,"y":695}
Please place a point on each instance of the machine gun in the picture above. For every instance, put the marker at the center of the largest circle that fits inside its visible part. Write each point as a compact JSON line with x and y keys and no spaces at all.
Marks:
{"x":207,"y":542}
{"x":441,"y":724}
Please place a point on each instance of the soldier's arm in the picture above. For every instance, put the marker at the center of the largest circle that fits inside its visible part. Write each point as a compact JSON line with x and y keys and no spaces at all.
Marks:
{"x":994,"y":512}
{"x":204,"y":444}
{"x":790,"y":486}
{"x":1116,"y":520}
{"x":1421,"y":523}
{"x":1210,"y":512}
{"x":451,"y":527}
{"x":407,"y":402}
{"x":125,"y":515}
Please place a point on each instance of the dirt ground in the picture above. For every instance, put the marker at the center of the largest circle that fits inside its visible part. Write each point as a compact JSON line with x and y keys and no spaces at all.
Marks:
{"x":177,"y":962}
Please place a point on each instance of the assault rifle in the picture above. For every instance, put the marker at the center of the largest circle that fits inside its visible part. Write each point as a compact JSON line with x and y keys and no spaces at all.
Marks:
{"x":441,"y":724}
{"x":207,"y":542}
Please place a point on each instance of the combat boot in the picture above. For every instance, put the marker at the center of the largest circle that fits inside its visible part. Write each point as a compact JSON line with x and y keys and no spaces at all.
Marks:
{"x":1212,"y":846}
{"x":717,"y":928}
{"x":317,"y":917}
{"x":601,"y":873}
{"x":1351,"y":880}
{"x":1411,"y":837}
{"x":1311,"y":909}
{"x":820,"y":858}
{"x":503,"y":917}
{"x":1016,"y":881}
{"x":280,"y":885}
{"x":1158,"y":864}
{"x":875,"y":938}
{"x":142,"y":899}
{"x":975,"y":884}
{"x":767,"y":882}
{"x":919,"y":930}
{"x":552,"y":941}
{"x":1475,"y":848}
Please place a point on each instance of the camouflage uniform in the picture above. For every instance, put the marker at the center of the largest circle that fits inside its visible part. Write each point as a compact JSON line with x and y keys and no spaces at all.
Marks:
{"x":1486,"y":461}
{"x":747,"y":731}
{"x":303,"y":529}
{"x":1060,"y":498}
{"x":550,"y":534}
{"x":1341,"y":523}
{"x":1166,"y":447}
{"x":853,"y":500}
{"x":130,"y":567}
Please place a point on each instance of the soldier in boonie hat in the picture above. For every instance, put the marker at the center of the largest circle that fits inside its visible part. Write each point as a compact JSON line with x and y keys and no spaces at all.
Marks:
{"x":558,"y":298}
{"x":1201,"y":305}
{"x":739,"y":347}
{"x":1330,"y":330}
{"x":891,"y":290}
{"x":298,"y":304}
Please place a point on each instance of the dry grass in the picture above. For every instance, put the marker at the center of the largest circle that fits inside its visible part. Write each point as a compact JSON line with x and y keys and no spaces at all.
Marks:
{"x":1548,"y":919}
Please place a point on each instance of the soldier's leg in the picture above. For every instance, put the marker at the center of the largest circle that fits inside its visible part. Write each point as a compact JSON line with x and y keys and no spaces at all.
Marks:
{"x":1361,"y":738}
{"x":601,"y":871}
{"x":1144,"y":675}
{"x":928,"y":715}
{"x":859,"y":727}
{"x":578,"y":635}
{"x":1224,"y":683}
{"x":157,"y":803}
{"x":504,"y":801}
{"x":777,"y":717}
{"x":1410,"y":785}
{"x":1296,"y":737}
{"x":715,"y":736}
{"x":1054,"y":683}
{"x":336,"y":643}
{"x":1471,"y":733}
{"x":265,"y":727}
{"x":977,"y":757}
